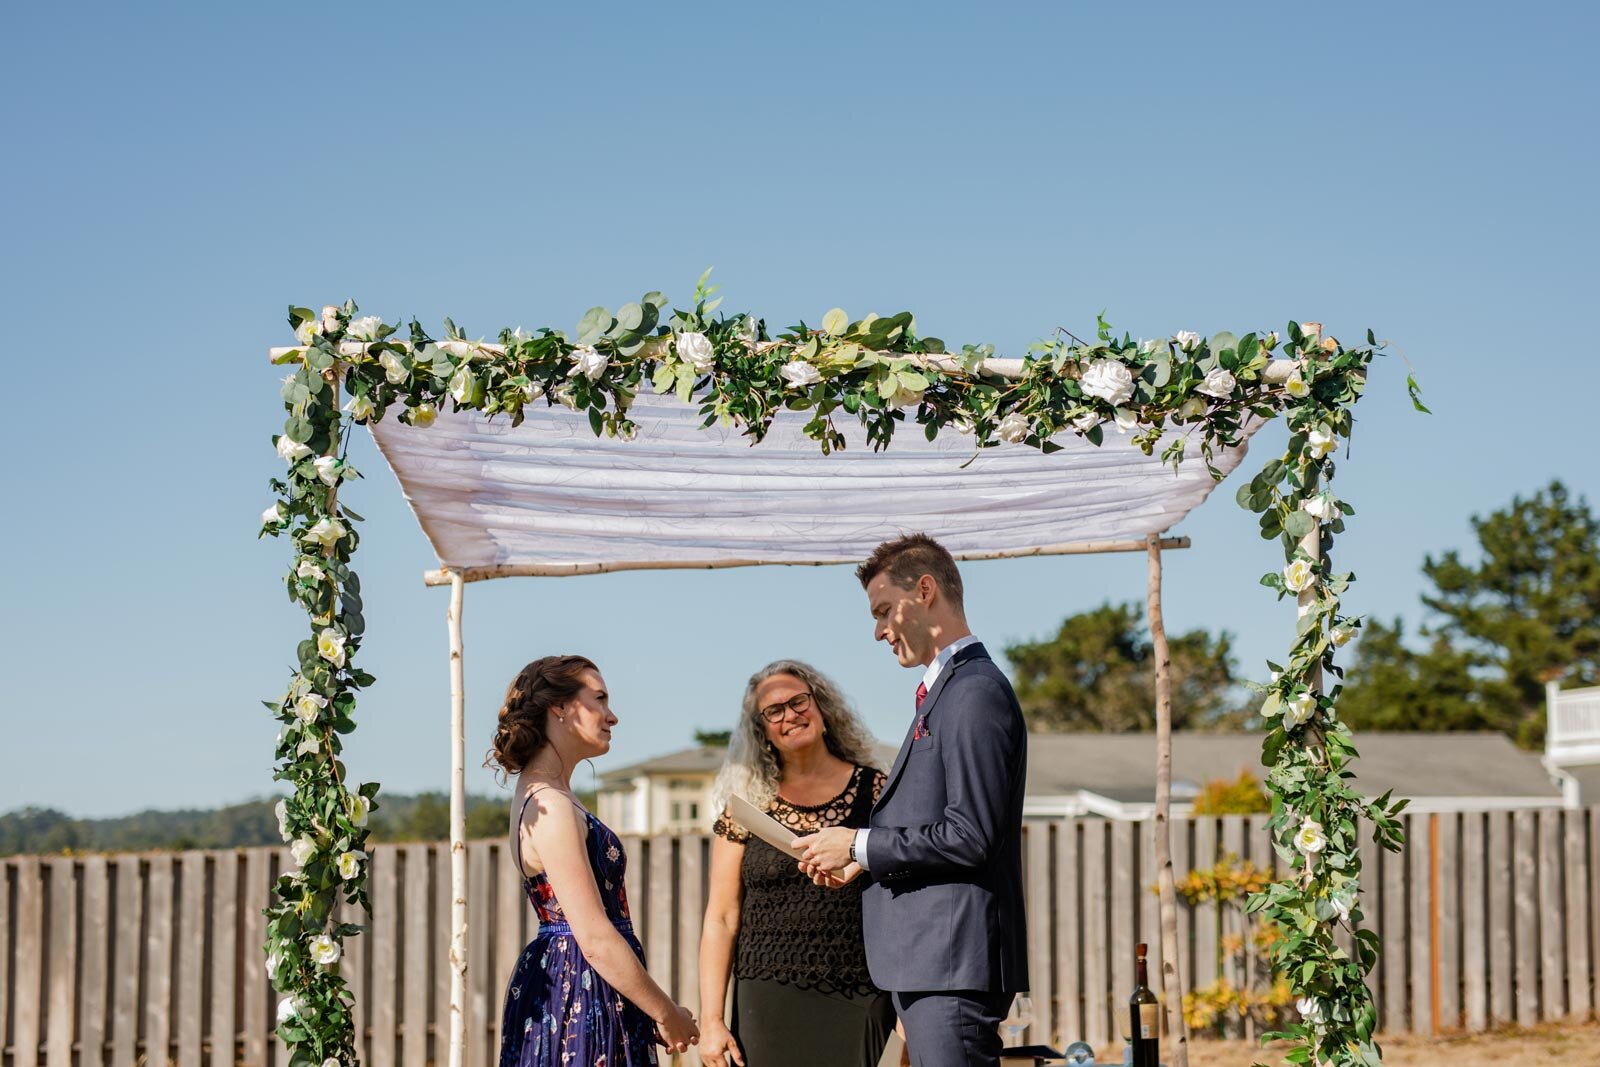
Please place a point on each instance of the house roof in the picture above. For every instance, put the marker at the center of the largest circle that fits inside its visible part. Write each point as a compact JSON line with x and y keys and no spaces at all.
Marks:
{"x":1588,"y":776}
{"x":697,"y":760}
{"x":1123,"y":766}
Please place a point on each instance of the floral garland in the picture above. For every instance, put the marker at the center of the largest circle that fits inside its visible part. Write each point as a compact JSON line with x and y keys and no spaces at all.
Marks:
{"x":882,"y":373}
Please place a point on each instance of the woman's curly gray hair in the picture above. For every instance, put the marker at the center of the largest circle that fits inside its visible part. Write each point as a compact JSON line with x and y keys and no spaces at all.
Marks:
{"x":753,"y":768}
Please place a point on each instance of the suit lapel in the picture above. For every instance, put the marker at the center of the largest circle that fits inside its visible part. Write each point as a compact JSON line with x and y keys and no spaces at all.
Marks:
{"x":972,"y":651}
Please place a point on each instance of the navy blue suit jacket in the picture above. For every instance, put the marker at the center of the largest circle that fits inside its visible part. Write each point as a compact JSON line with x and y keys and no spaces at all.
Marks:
{"x":943,"y":909}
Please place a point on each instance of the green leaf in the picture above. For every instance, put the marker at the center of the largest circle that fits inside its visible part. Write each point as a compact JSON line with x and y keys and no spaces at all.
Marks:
{"x":835,"y":322}
{"x":630,"y":317}
{"x":594,"y":325}
{"x":1416,"y":395}
{"x":1298,"y":524}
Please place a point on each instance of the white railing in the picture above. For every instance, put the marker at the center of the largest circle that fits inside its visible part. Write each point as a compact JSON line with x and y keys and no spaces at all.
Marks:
{"x":1573,"y":731}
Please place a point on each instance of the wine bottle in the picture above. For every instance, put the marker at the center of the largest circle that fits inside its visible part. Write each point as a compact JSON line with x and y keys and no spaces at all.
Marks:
{"x":1144,"y":1016}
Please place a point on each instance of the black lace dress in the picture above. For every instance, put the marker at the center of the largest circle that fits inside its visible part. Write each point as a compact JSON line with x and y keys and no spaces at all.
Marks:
{"x":802,"y":994}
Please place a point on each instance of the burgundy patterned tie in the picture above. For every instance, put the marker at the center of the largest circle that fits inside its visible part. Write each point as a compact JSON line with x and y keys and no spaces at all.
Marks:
{"x":922,"y":720}
{"x":922,"y":694}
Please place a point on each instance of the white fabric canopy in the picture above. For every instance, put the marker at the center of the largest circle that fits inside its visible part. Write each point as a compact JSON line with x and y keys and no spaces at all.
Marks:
{"x":550,"y":492}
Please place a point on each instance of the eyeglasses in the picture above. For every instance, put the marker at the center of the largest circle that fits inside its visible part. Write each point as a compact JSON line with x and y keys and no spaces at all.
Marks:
{"x":800,"y":703}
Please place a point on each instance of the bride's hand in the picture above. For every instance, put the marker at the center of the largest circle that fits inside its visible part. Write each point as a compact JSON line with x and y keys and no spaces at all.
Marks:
{"x":831,"y":879}
{"x":677,"y":1031}
{"x":716,"y":1042}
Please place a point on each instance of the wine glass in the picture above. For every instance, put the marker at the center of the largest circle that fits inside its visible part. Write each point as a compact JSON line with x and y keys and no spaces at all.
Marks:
{"x":1018,"y":1020}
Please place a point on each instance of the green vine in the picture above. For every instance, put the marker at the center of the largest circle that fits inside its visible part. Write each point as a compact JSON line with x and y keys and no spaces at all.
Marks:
{"x":1193,"y":393}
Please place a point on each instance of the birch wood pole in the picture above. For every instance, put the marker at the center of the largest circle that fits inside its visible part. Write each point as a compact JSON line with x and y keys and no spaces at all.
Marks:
{"x":458,"y":830}
{"x":1171,"y":974}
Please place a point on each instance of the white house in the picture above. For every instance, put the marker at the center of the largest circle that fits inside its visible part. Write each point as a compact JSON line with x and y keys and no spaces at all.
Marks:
{"x":1114,"y":776}
{"x":1572,"y":741}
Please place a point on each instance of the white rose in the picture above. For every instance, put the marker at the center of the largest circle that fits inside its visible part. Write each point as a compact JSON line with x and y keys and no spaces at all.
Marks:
{"x":273,"y":515}
{"x":290,"y":450}
{"x":1126,"y":420}
{"x":1192,"y":409}
{"x":1341,"y":906}
{"x":288,"y":1008}
{"x":1296,"y":387}
{"x":799,"y":374}
{"x":1300,"y":709}
{"x":1310,"y":1009}
{"x":307,"y":330}
{"x":324,"y":950}
{"x":1298,"y":576}
{"x":350,"y":864}
{"x":1310,"y":840}
{"x":331,"y":1061}
{"x":394,"y":368}
{"x":589,"y":361}
{"x":905,"y":398}
{"x":566,"y":397}
{"x":308,"y":707}
{"x":1321,"y":507}
{"x":1152,"y":346}
{"x":327,"y":469}
{"x":330,"y":318}
{"x":1014,"y":428}
{"x":326,"y":532}
{"x":1186,"y":339}
{"x":422,"y":415}
{"x":301,"y":850}
{"x":1320,"y":442}
{"x":361,"y":408}
{"x":695,"y":349}
{"x":365,"y":328}
{"x":360,"y":808}
{"x":330,"y":646}
{"x":309,"y":747}
{"x":531,"y":392}
{"x":281,"y":810}
{"x":274,"y":961}
{"x":1087,"y":421}
{"x":1219,"y":383}
{"x":1342,"y":635}
{"x":1109,"y":380}
{"x":464,"y":387}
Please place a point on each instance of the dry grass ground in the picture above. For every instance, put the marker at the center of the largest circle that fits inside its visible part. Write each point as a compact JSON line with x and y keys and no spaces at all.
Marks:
{"x":1575,"y":1045}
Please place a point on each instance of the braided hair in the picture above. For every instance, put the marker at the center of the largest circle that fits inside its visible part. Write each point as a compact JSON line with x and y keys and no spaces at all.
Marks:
{"x":543,"y":684}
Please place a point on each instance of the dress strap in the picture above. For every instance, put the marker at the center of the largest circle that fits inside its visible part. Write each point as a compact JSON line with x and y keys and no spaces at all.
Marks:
{"x":516,"y":834}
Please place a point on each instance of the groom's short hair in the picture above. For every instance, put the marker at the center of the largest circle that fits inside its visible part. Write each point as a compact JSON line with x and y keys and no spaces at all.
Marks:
{"x":906,"y":559}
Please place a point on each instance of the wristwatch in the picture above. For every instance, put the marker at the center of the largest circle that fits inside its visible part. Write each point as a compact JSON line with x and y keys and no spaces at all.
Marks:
{"x":853,"y":848}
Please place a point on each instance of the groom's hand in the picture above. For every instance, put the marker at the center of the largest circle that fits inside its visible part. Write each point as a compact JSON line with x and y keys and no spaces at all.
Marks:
{"x":827,"y":849}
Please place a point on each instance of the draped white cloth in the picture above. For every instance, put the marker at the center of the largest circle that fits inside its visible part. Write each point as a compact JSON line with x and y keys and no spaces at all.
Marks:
{"x":550,"y":492}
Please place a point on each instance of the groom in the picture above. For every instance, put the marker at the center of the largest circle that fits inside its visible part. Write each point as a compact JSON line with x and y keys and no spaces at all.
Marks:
{"x":942,"y":916}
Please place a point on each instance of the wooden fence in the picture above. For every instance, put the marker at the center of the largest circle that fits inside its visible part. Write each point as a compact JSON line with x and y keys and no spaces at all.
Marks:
{"x":1486,"y":919}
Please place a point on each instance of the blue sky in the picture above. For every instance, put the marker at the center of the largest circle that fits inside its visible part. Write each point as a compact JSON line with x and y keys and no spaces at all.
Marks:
{"x":177,"y":174}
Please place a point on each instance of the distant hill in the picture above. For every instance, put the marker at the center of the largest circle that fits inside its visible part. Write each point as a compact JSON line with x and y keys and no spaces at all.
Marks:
{"x":401,"y":817}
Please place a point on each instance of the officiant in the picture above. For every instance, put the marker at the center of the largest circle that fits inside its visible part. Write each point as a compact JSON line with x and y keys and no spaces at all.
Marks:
{"x":801,"y":991}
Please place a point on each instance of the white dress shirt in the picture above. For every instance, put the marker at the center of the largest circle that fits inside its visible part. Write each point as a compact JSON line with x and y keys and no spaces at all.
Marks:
{"x":929,"y":676}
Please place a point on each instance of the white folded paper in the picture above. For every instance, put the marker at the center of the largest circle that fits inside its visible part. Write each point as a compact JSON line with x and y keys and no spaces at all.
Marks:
{"x":761,"y":824}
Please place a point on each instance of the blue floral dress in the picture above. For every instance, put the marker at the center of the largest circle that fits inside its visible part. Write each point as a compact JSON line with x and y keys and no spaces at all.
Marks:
{"x":559,"y":1012}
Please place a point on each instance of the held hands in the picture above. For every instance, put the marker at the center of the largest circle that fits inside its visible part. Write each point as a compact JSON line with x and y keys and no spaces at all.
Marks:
{"x":677,"y":1031}
{"x":828,"y":850}
{"x":716,"y":1043}
{"x":831,"y":879}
